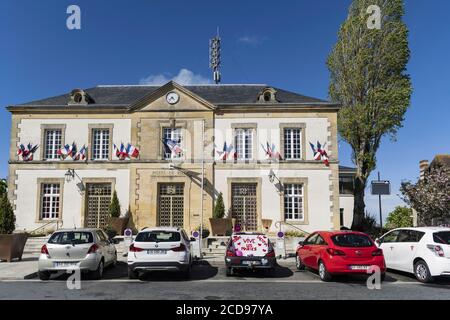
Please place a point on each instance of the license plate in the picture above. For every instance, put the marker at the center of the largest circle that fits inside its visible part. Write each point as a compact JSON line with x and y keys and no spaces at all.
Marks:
{"x":156,"y":251}
{"x":251,"y":263}
{"x":359,"y":267}
{"x":64,"y":264}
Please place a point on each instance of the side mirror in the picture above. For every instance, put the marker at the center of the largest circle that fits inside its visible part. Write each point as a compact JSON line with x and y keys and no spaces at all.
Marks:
{"x":378,"y":241}
{"x":192,"y":239}
{"x":114,"y":241}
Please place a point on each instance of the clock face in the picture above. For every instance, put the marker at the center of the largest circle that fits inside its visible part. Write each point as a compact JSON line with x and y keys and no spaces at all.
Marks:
{"x":172,"y":97}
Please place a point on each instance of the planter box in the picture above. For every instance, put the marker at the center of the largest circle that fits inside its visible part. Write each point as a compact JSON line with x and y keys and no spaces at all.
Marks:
{"x":12,"y":245}
{"x":220,"y":226}
{"x":119,"y":224}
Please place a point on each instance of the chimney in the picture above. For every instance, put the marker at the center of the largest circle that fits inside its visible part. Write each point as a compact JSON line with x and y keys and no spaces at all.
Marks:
{"x":423,"y":165}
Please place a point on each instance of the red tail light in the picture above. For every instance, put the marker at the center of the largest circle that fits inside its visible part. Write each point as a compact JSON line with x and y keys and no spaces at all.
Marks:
{"x":437,"y":250}
{"x":180,"y":248}
{"x":44,"y":250}
{"x":271,"y":253}
{"x":377,"y":252}
{"x":93,"y":249}
{"x":335,"y":252}
{"x":231,"y":252}
{"x":135,"y":249}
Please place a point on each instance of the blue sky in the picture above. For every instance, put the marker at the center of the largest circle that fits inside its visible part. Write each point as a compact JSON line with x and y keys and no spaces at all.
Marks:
{"x":283,"y":43}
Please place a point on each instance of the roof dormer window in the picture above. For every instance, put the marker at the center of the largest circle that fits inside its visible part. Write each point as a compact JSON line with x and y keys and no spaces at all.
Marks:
{"x":79,"y":96}
{"x":268,"y":95}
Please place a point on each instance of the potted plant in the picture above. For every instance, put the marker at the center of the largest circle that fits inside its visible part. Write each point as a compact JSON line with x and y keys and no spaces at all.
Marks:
{"x":294,"y":237}
{"x":11,"y":244}
{"x":219,"y":224}
{"x":117,"y":222}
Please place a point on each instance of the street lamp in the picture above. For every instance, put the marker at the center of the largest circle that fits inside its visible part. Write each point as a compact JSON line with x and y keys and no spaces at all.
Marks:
{"x":70,"y":174}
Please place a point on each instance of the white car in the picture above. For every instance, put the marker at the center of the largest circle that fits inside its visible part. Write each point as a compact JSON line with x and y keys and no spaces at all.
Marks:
{"x":423,"y":251}
{"x":160,"y":249}
{"x":90,"y":250}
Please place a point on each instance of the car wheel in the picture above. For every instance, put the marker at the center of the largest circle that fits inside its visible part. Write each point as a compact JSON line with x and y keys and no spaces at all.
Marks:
{"x":98,"y":274}
{"x":323,"y":272}
{"x":44,"y":275}
{"x":132,"y":274}
{"x":229,"y":271}
{"x":298,"y":263}
{"x":383,"y":276}
{"x":422,"y":272}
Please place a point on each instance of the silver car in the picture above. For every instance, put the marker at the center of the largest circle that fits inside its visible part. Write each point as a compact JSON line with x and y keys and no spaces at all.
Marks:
{"x":90,"y":250}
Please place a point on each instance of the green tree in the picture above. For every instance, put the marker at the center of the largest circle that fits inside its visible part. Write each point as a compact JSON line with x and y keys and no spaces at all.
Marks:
{"x":219,"y":207}
{"x":429,"y":196}
{"x":368,"y":78}
{"x":114,"y":207}
{"x":401,"y":217}
{"x":3,"y":186}
{"x":7,"y":217}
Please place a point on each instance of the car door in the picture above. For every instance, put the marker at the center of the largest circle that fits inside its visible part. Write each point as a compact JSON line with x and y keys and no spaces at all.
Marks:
{"x":388,"y":244}
{"x":306,"y":250}
{"x":406,"y":247}
{"x":103,"y":243}
{"x":319,"y":246}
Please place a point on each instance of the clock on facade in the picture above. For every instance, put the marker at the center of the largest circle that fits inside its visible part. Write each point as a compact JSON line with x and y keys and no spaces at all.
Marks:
{"x":172,"y":97}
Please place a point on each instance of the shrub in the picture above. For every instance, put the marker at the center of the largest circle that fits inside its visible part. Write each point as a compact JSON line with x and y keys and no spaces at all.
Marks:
{"x":109,"y":230}
{"x":114,"y":207}
{"x":7,"y":217}
{"x":294,"y":234}
{"x":219,"y":207}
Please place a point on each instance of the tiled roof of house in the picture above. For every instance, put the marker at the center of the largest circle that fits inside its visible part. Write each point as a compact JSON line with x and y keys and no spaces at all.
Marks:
{"x":223,"y":94}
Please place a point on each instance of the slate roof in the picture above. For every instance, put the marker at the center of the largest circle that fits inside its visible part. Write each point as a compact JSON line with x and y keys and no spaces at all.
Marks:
{"x":224,"y":94}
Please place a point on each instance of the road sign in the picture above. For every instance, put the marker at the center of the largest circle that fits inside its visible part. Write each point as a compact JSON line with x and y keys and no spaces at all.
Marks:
{"x":382,"y":187}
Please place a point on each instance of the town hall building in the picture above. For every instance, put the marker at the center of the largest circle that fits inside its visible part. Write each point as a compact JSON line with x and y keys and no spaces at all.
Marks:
{"x":273,"y":154}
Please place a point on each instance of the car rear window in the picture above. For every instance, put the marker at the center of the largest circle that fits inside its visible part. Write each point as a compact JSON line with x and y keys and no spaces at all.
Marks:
{"x":351,"y":240}
{"x":71,"y":237}
{"x":158,"y":236}
{"x":442,"y":237}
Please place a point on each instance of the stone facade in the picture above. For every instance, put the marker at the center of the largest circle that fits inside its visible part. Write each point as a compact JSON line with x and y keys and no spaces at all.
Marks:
{"x":148,"y":184}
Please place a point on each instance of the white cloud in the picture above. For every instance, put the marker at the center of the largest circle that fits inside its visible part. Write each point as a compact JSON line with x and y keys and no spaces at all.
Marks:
{"x":184,"y":77}
{"x":251,"y":40}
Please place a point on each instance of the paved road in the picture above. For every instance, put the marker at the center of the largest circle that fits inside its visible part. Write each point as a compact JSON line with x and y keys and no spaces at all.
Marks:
{"x":209,"y":282}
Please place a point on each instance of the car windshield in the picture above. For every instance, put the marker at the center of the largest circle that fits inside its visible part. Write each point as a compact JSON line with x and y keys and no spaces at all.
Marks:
{"x":352,"y":240}
{"x":442,"y":237}
{"x":158,"y":236}
{"x":71,"y":237}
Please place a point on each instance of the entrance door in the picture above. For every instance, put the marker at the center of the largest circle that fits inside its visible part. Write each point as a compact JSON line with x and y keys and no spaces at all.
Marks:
{"x":243,"y":205}
{"x":171,"y":205}
{"x":98,"y":201}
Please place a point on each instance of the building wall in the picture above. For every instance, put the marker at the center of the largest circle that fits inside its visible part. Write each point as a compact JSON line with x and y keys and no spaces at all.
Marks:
{"x":346,"y":202}
{"x":27,"y":193}
{"x":319,"y":212}
{"x":316,"y":127}
{"x":76,"y":130}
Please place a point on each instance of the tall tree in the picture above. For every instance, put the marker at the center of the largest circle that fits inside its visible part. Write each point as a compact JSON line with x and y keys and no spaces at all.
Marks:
{"x":430,"y":196}
{"x":368,"y":78}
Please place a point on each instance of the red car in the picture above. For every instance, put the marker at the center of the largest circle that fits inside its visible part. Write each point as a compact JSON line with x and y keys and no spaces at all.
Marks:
{"x":339,"y":252}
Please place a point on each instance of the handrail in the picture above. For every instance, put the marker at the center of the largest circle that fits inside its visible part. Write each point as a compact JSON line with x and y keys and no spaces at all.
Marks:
{"x":278,"y":224}
{"x":45,"y":225}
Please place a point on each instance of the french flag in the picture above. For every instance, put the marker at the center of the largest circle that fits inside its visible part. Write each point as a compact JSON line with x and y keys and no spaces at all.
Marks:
{"x":132,"y":151}
{"x":173,"y":146}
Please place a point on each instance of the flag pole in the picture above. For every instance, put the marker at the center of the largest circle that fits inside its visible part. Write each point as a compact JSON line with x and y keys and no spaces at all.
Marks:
{"x":201,"y":193}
